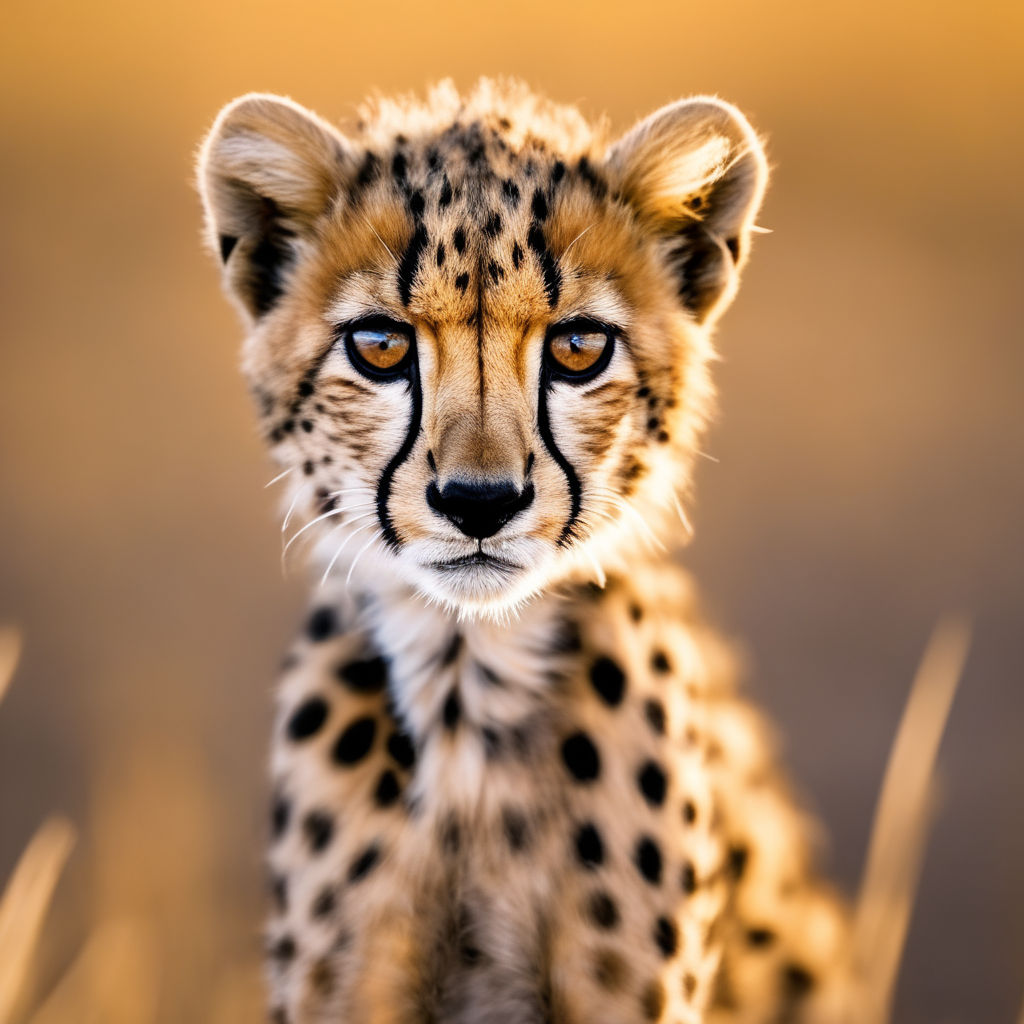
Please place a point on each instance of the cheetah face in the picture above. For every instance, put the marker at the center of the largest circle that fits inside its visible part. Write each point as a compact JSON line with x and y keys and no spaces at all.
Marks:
{"x":478,"y":333}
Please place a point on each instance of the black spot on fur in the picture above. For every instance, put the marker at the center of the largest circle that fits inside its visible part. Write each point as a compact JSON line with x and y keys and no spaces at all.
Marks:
{"x":688,"y":879}
{"x":283,"y":950}
{"x":647,"y":857}
{"x":654,"y":712}
{"x":440,"y":254}
{"x":689,"y":812}
{"x":323,"y":623}
{"x":652,"y":782}
{"x":324,"y":905}
{"x":539,"y":206}
{"x":495,"y":270}
{"x":366,"y":676}
{"x":549,"y":268}
{"x":452,"y":710}
{"x":516,"y":829}
{"x":602,"y":910}
{"x":610,"y":970}
{"x":307,"y":426}
{"x":510,"y":190}
{"x":388,"y":789}
{"x":589,"y":846}
{"x":409,"y":267}
{"x":279,"y":890}
{"x":307,"y":719}
{"x":280,"y":815}
{"x":797,"y":980}
{"x":399,"y":166}
{"x":355,"y":742}
{"x":459,"y":240}
{"x":608,"y":680}
{"x":318,"y":828}
{"x":666,"y":936}
{"x":368,"y":170}
{"x":445,"y":198}
{"x":417,"y":204}
{"x":401,"y":749}
{"x":581,"y":758}
{"x":660,"y":663}
{"x":557,"y":172}
{"x":594,"y":181}
{"x":738,"y":857}
{"x":451,"y":652}
{"x":364,"y":863}
{"x":760,"y":938}
{"x":227,"y":246}
{"x":517,"y":255}
{"x":462,"y":282}
{"x":652,"y":1001}
{"x":493,"y":226}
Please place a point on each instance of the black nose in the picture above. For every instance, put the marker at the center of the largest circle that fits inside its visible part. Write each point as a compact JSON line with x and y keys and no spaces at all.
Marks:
{"x":479,"y":509}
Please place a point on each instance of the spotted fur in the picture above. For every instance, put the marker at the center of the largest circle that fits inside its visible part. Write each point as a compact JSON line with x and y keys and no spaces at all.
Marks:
{"x":503,"y":791}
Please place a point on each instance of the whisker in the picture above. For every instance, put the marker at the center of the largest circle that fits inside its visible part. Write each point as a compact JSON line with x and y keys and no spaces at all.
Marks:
{"x":565,"y":251}
{"x":312,"y":522}
{"x":280,"y":476}
{"x":366,"y":221}
{"x":359,"y":554}
{"x":337,"y":554}
{"x":291,"y":509}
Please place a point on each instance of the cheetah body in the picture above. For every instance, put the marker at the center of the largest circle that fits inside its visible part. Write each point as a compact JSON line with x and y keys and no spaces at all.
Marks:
{"x":513,"y":778}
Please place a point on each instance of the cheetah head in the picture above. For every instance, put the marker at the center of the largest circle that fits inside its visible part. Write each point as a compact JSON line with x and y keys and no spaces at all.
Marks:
{"x":477,"y":328}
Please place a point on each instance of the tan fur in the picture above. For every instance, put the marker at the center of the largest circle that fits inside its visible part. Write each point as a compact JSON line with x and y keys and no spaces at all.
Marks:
{"x":452,"y":735}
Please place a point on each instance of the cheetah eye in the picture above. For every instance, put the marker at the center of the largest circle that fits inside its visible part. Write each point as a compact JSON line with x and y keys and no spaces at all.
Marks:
{"x":379,"y":348}
{"x":579,"y":350}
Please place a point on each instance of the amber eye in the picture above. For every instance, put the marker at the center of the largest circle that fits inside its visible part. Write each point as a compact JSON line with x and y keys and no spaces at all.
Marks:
{"x":579,"y":350}
{"x":379,"y":348}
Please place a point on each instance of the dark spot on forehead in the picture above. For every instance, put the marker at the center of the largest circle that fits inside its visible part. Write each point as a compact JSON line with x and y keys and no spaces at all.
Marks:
{"x":445,"y":198}
{"x":539,"y":205}
{"x":417,"y":203}
{"x":459,"y":240}
{"x":399,"y":166}
{"x":368,"y":170}
{"x":510,"y":190}
{"x":410,"y":264}
{"x":493,"y":226}
{"x":552,"y":275}
{"x":517,"y":255}
{"x":496,"y":271}
{"x":440,"y":254}
{"x":462,"y":282}
{"x":557,"y":171}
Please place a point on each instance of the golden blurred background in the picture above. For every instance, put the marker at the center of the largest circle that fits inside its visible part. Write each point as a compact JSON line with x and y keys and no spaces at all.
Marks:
{"x":870,"y":471}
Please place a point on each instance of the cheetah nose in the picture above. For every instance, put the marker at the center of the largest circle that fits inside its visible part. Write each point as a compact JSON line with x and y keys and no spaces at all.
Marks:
{"x":479,"y":510}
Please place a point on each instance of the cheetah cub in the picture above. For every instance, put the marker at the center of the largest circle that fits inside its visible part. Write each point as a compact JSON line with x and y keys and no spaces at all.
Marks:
{"x":513,"y":779}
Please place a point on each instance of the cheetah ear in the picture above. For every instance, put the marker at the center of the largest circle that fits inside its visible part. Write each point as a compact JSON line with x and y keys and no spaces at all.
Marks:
{"x":267,"y":171}
{"x":696,"y":173}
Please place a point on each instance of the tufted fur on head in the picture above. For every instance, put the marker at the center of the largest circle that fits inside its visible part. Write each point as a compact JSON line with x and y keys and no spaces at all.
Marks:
{"x":478,"y":332}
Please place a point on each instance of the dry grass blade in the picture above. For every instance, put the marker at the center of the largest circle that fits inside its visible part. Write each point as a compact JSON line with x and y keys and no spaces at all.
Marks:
{"x":901,"y":824}
{"x":113,"y":981}
{"x":24,"y":905}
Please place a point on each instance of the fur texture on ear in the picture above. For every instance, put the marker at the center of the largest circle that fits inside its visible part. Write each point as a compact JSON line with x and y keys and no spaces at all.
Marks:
{"x":267,"y":171}
{"x":696,"y":172}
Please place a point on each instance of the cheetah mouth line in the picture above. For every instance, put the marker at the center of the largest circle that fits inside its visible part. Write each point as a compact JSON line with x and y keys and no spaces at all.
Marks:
{"x":477,"y":559}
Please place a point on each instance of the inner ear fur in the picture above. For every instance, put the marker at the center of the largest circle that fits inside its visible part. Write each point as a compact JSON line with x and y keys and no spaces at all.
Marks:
{"x":695,"y":171}
{"x":267,"y":171}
